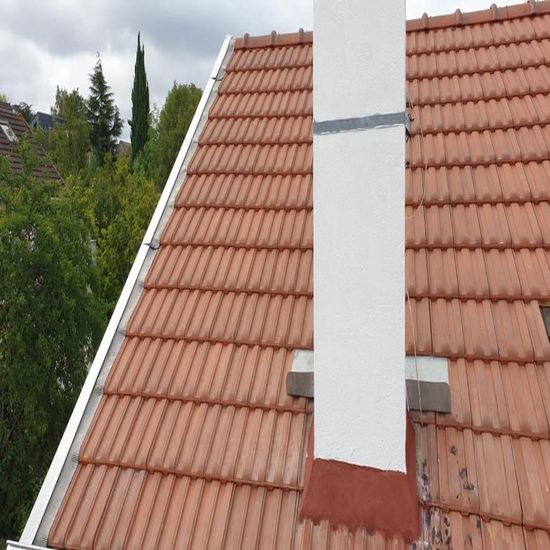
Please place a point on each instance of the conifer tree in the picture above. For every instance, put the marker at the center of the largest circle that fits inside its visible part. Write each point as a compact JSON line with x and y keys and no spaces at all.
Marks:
{"x":103,"y":115}
{"x":140,"y":103}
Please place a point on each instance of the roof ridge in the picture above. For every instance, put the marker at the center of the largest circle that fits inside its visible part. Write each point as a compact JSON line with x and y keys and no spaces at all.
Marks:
{"x":274,"y":39}
{"x":490,"y":15}
{"x":426,"y":22}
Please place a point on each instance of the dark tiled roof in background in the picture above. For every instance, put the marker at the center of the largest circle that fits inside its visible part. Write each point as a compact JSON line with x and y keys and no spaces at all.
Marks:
{"x":196,"y":443}
{"x":9,"y":149}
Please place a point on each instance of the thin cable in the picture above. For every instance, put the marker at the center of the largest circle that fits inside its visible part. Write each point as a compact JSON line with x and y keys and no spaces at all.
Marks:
{"x":413,"y":330}
{"x":424,"y":162}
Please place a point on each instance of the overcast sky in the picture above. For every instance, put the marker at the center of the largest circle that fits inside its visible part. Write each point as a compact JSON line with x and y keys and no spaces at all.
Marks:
{"x":45,"y":43}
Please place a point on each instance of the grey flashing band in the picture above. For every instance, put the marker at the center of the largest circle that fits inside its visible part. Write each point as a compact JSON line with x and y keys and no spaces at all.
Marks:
{"x":360,"y":123}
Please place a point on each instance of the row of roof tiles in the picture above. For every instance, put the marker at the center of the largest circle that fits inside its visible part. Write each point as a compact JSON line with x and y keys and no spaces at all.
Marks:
{"x":267,"y":104}
{"x":281,"y":159}
{"x":225,"y":442}
{"x":506,"y":183}
{"x":507,"y":84}
{"x":487,"y":147}
{"x":268,"y":80}
{"x":128,"y":508}
{"x":265,"y":130}
{"x":219,"y":268}
{"x":213,"y":373}
{"x":244,"y":227}
{"x":497,"y":397}
{"x":477,"y":329}
{"x":249,"y":59}
{"x":516,"y":225}
{"x":222,"y":316}
{"x":256,"y":192}
{"x":477,"y":273}
{"x":479,"y":60}
{"x":491,"y":115}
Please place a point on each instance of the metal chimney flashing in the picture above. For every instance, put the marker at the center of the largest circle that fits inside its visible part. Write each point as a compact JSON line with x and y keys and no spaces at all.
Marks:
{"x":368,"y":122}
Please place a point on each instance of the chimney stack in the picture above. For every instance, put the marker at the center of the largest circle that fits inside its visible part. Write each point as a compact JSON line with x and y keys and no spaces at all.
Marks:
{"x":362,"y":443}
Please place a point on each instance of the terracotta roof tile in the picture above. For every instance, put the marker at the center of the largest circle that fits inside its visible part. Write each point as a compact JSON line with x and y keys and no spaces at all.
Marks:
{"x":21,"y":129}
{"x":196,"y":442}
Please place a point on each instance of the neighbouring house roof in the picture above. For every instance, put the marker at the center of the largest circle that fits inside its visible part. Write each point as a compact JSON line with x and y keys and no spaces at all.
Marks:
{"x":195,"y":443}
{"x":9,"y":147}
{"x":46,"y":121}
{"x":123,"y":148}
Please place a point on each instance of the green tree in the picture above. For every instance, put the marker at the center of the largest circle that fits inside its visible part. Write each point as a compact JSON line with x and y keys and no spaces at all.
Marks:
{"x":3,"y":98}
{"x":50,"y":323}
{"x":166,"y":139}
{"x":140,"y":103}
{"x":119,"y":240}
{"x":69,"y":141}
{"x":103,"y":115}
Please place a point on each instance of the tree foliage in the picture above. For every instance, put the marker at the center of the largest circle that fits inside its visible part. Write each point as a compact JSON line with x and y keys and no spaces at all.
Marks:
{"x":69,"y":141}
{"x":55,"y":299}
{"x":140,"y":103}
{"x":166,"y":139}
{"x":120,"y":241}
{"x":116,"y":202}
{"x":50,"y":323}
{"x":103,"y":115}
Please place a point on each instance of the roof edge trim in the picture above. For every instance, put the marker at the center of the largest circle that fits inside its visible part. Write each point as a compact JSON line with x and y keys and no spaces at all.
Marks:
{"x":490,"y":15}
{"x":62,"y":454}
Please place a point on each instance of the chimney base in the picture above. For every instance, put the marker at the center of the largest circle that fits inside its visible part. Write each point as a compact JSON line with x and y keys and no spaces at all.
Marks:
{"x":359,"y":496}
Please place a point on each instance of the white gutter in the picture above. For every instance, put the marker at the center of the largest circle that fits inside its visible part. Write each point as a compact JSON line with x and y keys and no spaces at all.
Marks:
{"x":63,"y":450}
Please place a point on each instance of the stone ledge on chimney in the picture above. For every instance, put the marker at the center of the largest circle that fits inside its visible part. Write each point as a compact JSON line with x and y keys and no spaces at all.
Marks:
{"x":299,"y":380}
{"x":426,"y":379}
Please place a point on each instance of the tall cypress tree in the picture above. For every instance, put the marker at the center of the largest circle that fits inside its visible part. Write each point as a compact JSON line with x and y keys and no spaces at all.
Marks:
{"x":103,"y":115}
{"x":140,"y":103}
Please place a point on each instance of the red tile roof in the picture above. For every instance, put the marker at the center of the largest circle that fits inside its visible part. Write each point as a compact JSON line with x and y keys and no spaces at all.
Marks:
{"x":196,"y":443}
{"x":20,"y":128}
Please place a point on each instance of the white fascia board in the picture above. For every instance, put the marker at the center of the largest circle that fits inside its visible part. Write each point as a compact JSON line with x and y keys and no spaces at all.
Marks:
{"x":62,"y":454}
{"x":13,"y":545}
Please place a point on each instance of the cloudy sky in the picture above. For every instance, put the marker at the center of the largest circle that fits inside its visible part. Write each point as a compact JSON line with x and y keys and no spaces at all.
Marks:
{"x":45,"y":43}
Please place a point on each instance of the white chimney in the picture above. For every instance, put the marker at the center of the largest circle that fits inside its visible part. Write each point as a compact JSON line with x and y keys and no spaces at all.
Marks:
{"x":359,"y":265}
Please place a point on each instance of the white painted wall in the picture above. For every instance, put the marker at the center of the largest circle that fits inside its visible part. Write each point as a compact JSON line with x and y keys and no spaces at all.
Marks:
{"x":359,"y":269}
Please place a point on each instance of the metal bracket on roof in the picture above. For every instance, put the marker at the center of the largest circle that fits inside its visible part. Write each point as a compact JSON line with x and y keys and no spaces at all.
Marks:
{"x":408,"y":120}
{"x":360,"y":123}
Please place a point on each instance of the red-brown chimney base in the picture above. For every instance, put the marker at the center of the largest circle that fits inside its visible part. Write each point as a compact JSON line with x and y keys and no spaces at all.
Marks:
{"x":358,"y":496}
